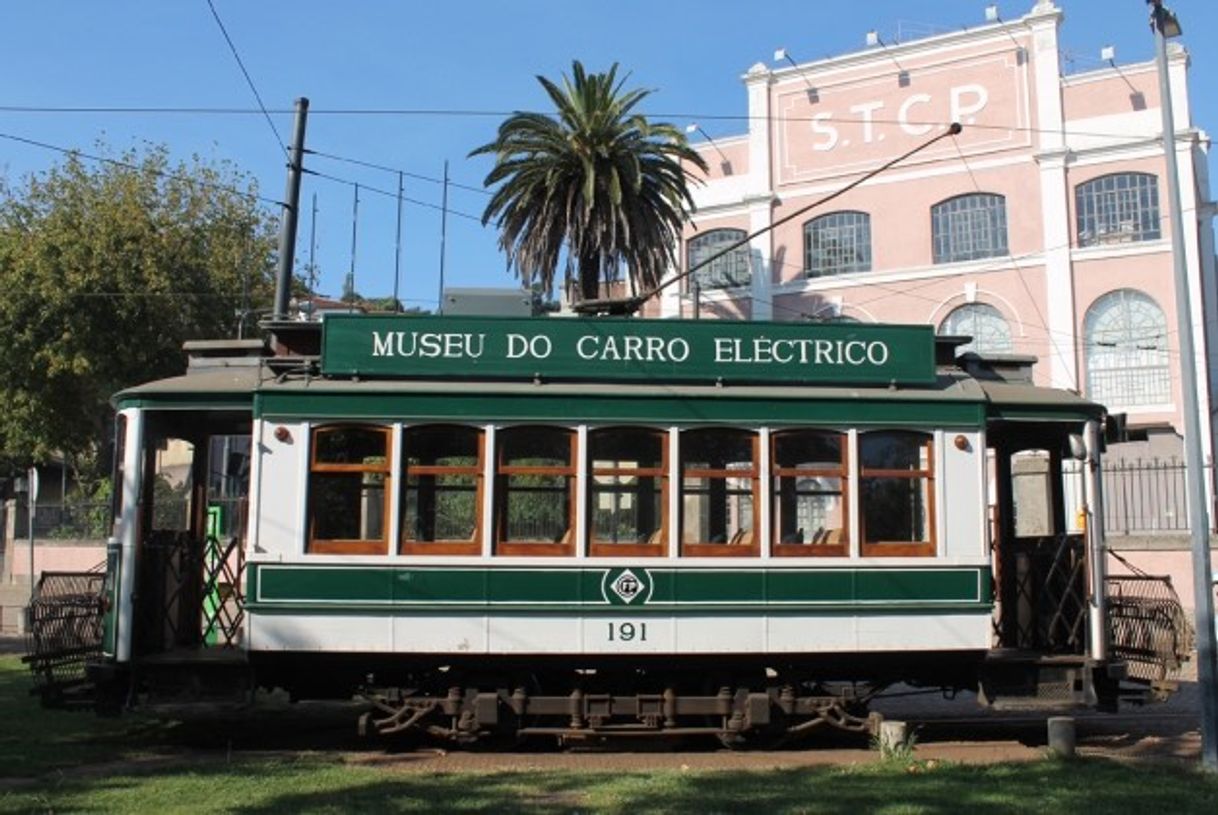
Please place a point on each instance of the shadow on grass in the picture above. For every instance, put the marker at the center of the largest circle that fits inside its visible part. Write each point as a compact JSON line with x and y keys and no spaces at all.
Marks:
{"x":304,"y":786}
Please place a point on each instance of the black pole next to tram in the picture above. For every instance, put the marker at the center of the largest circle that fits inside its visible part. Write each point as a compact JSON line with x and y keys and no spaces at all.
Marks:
{"x":291,"y":211}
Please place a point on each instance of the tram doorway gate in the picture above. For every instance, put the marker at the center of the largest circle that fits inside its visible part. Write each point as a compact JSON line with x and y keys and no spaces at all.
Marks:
{"x":192,"y":593}
{"x":1042,"y":593}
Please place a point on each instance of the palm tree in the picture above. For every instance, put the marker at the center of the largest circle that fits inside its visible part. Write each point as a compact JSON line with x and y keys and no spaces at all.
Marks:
{"x":597,"y":181}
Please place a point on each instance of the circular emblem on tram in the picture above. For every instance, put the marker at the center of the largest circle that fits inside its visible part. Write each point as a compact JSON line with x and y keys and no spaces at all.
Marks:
{"x":625,"y":587}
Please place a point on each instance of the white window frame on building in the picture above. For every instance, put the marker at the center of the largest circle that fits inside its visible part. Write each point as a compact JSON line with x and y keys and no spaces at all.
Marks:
{"x":837,"y":243}
{"x":1125,"y":332}
{"x":990,"y":331}
{"x":1117,"y":208}
{"x":730,"y":271}
{"x":969,"y":227}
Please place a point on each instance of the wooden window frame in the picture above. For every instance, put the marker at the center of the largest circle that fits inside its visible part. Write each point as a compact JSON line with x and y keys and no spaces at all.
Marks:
{"x":341,"y":546}
{"x":839,"y":548}
{"x":751,"y":548}
{"x":927,"y":548}
{"x":472,"y":546}
{"x":659,"y":548}
{"x":508,"y":548}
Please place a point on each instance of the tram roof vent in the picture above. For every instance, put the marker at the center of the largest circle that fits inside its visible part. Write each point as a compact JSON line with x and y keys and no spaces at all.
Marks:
{"x":210,"y":354}
{"x":1015,"y":368}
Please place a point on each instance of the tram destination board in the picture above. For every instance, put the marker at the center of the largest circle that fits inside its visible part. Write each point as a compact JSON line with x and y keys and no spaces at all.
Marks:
{"x":390,"y":346}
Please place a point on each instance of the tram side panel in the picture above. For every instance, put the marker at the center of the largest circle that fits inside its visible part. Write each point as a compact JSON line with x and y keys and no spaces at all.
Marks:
{"x":379,"y":604}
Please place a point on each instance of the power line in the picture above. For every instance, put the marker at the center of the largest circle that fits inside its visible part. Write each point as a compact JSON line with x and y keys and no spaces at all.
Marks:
{"x":472,"y":113}
{"x":396,"y":170}
{"x":128,"y":165}
{"x":248,"y":79}
{"x":391,"y":194}
{"x":862,"y":280}
{"x":1069,"y":365}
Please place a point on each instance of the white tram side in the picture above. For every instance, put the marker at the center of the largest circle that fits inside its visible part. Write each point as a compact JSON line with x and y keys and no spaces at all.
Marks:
{"x":601,"y":526}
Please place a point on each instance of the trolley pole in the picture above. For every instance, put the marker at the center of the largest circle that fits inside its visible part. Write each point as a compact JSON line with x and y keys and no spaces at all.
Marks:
{"x":291,"y":211}
{"x":1165,"y":25}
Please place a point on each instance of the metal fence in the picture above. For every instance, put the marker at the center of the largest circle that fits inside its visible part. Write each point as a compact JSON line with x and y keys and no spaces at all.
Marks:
{"x":1147,"y":496}
{"x":91,"y":520}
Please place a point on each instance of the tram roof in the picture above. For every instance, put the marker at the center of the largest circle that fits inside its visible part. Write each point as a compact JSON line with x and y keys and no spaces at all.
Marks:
{"x":953,"y":398}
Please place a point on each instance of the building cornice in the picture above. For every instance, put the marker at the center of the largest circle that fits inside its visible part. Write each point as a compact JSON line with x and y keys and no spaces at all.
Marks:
{"x":884,"y":55}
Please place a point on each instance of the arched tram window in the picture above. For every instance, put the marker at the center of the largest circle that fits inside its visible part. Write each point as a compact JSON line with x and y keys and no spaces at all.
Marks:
{"x":348,"y":480}
{"x":628,"y":492}
{"x":442,"y":490}
{"x":810,"y":471}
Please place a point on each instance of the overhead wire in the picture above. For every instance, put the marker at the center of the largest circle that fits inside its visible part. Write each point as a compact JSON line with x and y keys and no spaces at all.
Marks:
{"x":891,"y":289}
{"x":1068,"y":364}
{"x":458,"y":112}
{"x":128,"y":165}
{"x":390,"y":194}
{"x":249,"y":80}
{"x":395,"y":170}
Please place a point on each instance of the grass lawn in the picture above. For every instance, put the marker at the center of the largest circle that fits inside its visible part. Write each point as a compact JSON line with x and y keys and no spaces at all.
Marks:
{"x":74,"y":762}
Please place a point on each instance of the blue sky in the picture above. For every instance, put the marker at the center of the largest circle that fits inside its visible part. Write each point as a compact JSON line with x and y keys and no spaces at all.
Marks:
{"x":477,"y":56}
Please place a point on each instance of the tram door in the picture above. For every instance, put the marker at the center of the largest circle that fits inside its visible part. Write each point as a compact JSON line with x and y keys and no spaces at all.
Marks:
{"x":192,"y":522}
{"x":1039,"y":555}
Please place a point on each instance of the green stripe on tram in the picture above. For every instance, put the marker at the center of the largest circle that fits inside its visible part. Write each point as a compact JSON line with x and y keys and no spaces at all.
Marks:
{"x":505,"y":588}
{"x":484,"y":406}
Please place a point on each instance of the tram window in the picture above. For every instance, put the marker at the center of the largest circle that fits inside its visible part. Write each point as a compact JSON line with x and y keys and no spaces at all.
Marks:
{"x":810,"y":471}
{"x":441,"y":490}
{"x":896,"y":487}
{"x":627,"y":491}
{"x":718,"y":493}
{"x":536,"y":491}
{"x":347,"y":490}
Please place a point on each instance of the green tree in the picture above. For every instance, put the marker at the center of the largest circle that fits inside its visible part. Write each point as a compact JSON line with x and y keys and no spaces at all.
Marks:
{"x":106,"y":269}
{"x":598,"y":182}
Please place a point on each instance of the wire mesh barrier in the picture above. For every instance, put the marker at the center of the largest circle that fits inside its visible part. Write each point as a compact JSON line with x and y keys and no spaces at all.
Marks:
{"x":1148,"y":628}
{"x":1042,"y":594}
{"x":192,"y":592}
{"x":65,"y":633}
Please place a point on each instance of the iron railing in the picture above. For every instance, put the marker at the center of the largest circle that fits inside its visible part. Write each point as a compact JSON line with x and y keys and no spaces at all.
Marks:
{"x":1147,"y":496}
{"x":90,"y":520}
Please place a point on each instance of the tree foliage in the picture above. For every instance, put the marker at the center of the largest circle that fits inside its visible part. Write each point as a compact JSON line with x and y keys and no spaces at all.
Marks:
{"x":598,"y":182}
{"x":105,"y":270}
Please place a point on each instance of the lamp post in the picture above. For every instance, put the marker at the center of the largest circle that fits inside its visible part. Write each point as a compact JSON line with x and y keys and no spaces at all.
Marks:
{"x":1165,"y":25}
{"x":28,"y":486}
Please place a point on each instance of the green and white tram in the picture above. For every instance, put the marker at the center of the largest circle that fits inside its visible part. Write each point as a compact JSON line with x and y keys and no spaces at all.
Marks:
{"x":584,"y":526}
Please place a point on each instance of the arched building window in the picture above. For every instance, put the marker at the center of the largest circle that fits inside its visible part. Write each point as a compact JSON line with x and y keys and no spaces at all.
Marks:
{"x":1117,"y":208}
{"x":730,"y":270}
{"x":969,"y":227}
{"x":985,"y":324}
{"x":837,"y":243}
{"x":1126,"y":339}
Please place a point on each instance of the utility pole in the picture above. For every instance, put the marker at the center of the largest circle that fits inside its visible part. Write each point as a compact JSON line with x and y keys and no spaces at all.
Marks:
{"x":443,"y":235}
{"x":291,"y":211}
{"x":397,"y":249}
{"x":1166,"y":25}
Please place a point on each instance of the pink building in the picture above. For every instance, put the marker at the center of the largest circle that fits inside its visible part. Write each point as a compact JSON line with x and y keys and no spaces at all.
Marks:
{"x":1042,"y":229}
